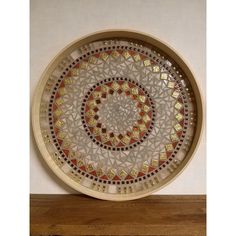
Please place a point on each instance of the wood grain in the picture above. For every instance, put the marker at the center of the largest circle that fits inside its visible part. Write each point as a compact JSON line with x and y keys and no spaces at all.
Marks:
{"x":72,"y":215}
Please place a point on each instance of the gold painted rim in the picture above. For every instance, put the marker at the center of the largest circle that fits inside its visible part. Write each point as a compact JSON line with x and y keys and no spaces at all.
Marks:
{"x":99,"y":36}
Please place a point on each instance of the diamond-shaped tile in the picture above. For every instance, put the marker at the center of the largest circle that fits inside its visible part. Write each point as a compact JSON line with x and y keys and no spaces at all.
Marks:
{"x":142,"y":127}
{"x":104,"y":56}
{"x":58,"y":112}
{"x":178,"y":127}
{"x":126,"y":54}
{"x":134,"y":91}
{"x":115,"y":86}
{"x":145,"y":167}
{"x":178,"y":105}
{"x":164,"y":76}
{"x":59,"y":101}
{"x":90,"y":113}
{"x":137,"y":57}
{"x":179,"y":117}
{"x":155,"y":69}
{"x":111,"y":173}
{"x":92,"y":122}
{"x":169,"y":147}
{"x":123,"y":174}
{"x":175,"y":94}
{"x":90,"y":168}
{"x":126,"y":139}
{"x":146,"y":118}
{"x":115,"y":54}
{"x":154,"y":162}
{"x":59,"y":123}
{"x":125,"y":86}
{"x":147,"y":62}
{"x":174,"y":138}
{"x":92,"y":60}
{"x":171,"y":84}
{"x":142,"y":98}
{"x":146,"y":108}
{"x":134,"y":173}
{"x":163,"y":156}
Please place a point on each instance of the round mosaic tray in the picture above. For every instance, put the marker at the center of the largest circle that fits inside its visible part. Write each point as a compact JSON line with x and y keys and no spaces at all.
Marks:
{"x":117,"y":115}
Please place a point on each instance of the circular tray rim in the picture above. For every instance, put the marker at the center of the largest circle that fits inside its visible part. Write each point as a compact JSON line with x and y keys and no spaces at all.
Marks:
{"x":99,"y":35}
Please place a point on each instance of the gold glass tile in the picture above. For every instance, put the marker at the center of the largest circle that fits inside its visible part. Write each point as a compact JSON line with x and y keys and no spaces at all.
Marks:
{"x":105,"y":137}
{"x":175,"y":94}
{"x":59,"y":123}
{"x":145,"y":167}
{"x":169,"y":147}
{"x":134,"y":91}
{"x":92,"y":103}
{"x":84,"y":65}
{"x":147,"y":62}
{"x":155,"y":69}
{"x":178,"y":127}
{"x":97,"y":94}
{"x":58,"y":112}
{"x":66,"y":143}
{"x":125,"y":86}
{"x":146,"y":108}
{"x":61,"y":135}
{"x":115,"y":54}
{"x":115,"y":140}
{"x":59,"y":101}
{"x":90,"y":113}
{"x":163,"y":156}
{"x":104,"y":89}
{"x":115,"y":86}
{"x":171,"y":84}
{"x":123,"y":174}
{"x":75,"y":71}
{"x":146,"y":118}
{"x":141,"y":98}
{"x":178,"y":105}
{"x":179,"y":117}
{"x":126,"y":55}
{"x":80,"y":163}
{"x":96,"y":131}
{"x":92,"y":122}
{"x":154,"y":162}
{"x":135,"y":134}
{"x":174,"y":137}
{"x":111,"y":174}
{"x":137,"y":57}
{"x":92,"y":60}
{"x":104,"y":56}
{"x":68,"y":81}
{"x":164,"y":76}
{"x":134,"y":173}
{"x":99,"y":172}
{"x":126,"y":139}
{"x":90,"y":168}
{"x":142,"y":127}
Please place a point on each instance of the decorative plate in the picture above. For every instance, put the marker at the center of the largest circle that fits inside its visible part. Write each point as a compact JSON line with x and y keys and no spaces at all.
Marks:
{"x":117,"y":115}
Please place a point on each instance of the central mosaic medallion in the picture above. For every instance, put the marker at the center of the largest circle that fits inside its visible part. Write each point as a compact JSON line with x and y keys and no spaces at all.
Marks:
{"x":117,"y":114}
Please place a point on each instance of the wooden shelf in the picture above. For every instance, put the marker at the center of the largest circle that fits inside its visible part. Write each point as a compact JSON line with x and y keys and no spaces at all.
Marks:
{"x":72,"y":215}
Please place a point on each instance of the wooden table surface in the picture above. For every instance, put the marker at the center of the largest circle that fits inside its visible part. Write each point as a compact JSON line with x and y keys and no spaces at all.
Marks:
{"x":72,"y":215}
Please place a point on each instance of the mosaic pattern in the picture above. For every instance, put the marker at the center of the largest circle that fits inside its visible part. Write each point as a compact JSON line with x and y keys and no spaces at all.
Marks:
{"x":117,"y":117}
{"x":118,"y":114}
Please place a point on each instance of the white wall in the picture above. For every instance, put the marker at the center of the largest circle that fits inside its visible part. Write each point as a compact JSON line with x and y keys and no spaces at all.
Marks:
{"x":179,"y":23}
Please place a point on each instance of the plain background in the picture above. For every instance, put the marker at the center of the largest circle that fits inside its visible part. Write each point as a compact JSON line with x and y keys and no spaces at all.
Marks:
{"x":179,"y":23}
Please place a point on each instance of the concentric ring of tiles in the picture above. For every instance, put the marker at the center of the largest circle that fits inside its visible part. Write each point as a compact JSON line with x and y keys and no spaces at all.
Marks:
{"x":104,"y":92}
{"x":117,"y":118}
